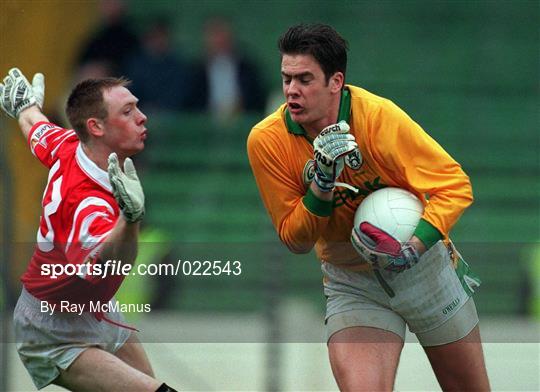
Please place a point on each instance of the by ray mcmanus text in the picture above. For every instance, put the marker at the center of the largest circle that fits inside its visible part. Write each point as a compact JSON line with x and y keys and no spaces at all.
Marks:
{"x":93,"y":307}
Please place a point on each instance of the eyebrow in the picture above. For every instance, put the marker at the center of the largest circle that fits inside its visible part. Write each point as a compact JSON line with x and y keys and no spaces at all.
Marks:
{"x":130,"y":103}
{"x":298,"y":76}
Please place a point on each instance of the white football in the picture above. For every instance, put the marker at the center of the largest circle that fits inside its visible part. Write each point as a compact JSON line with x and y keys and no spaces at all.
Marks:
{"x":393,"y":210}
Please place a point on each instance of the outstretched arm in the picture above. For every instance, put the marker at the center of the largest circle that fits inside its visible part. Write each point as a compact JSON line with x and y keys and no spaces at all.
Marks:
{"x":22,"y":100}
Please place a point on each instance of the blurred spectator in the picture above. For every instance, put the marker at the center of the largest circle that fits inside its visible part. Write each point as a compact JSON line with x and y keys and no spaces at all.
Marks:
{"x":112,"y":44}
{"x":161,"y":79}
{"x":228,"y":82}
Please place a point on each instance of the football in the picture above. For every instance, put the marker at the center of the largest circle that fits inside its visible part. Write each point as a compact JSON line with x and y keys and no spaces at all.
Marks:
{"x":393,"y":210}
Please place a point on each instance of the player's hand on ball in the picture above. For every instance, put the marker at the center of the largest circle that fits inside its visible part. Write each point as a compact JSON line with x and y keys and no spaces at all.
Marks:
{"x":127,"y":188}
{"x":382,"y":250}
{"x":330,"y":146}
{"x":17,"y":94}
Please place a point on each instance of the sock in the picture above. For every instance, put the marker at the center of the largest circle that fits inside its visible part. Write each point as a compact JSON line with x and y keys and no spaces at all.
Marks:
{"x":165,"y":388}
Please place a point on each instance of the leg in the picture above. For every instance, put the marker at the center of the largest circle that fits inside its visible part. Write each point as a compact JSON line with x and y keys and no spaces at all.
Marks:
{"x":459,"y":366}
{"x":365,"y":336}
{"x":364,"y":358}
{"x":132,"y":353}
{"x":97,"y":370}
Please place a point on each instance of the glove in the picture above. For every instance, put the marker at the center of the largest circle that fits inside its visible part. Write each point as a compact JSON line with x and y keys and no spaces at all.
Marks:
{"x":17,"y":94}
{"x":127,"y":189}
{"x":382,"y":250}
{"x":330,"y":146}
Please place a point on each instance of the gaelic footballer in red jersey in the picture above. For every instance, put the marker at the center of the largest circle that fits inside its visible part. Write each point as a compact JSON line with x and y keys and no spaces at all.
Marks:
{"x":79,"y":212}
{"x":91,"y":210}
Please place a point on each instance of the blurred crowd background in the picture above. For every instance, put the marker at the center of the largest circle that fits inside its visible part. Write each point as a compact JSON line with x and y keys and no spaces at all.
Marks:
{"x":207,"y":71}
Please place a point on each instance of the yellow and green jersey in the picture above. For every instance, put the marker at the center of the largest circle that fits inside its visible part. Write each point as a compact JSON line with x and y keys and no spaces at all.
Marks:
{"x":394,"y":151}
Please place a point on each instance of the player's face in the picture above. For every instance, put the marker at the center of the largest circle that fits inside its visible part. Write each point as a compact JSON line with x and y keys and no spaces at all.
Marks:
{"x":125,"y":123}
{"x":311,"y":100}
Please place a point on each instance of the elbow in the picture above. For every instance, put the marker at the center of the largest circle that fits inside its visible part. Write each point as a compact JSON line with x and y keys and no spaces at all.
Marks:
{"x":468,"y":196}
{"x":298,"y":248}
{"x":469,"y":200}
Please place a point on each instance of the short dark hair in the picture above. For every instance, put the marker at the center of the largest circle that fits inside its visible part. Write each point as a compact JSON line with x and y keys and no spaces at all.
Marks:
{"x":319,"y":40}
{"x":86,"y":101}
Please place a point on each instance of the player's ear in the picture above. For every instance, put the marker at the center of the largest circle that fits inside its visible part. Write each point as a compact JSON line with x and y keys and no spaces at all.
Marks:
{"x":336,"y":82}
{"x":95,"y":126}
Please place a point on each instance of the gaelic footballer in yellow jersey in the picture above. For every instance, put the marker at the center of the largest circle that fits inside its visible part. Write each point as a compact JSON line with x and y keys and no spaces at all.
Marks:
{"x":314,"y":160}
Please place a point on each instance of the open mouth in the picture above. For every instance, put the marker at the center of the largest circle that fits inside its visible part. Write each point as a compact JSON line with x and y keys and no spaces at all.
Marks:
{"x":295,"y":107}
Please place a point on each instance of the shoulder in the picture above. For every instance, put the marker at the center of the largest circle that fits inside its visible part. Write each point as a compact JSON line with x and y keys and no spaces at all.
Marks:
{"x":271,"y":128}
{"x":49,"y":137}
{"x":373,"y":106}
{"x":362,"y":98}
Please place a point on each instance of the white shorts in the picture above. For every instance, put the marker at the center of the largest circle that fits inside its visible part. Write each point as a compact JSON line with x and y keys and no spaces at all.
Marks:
{"x":47,"y":343}
{"x":432,"y":298}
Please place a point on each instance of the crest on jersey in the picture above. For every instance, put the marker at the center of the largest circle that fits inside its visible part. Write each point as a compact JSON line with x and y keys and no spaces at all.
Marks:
{"x":354,"y":159}
{"x":309,"y":172}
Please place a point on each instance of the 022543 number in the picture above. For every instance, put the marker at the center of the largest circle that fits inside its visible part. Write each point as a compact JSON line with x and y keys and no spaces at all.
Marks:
{"x":211,"y":268}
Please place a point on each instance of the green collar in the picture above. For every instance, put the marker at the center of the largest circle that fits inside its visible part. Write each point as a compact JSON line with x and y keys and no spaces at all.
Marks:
{"x":343,"y":114}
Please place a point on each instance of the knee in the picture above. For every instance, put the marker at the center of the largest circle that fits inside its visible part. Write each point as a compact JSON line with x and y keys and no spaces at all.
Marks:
{"x":361,"y":378}
{"x":363,"y":382}
{"x":464,"y":380}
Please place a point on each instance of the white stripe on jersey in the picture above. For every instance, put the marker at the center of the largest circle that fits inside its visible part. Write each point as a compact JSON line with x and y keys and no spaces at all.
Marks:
{"x":88,"y":241}
{"x":46,"y":242}
{"x":89,"y":201}
{"x":68,"y":134}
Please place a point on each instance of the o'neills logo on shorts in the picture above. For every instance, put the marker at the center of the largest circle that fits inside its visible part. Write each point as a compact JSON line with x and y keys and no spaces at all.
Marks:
{"x":309,"y":172}
{"x":451,"y":306}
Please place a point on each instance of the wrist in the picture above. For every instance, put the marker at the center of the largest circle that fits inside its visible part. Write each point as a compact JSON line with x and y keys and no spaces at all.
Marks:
{"x":132,"y":218}
{"x":318,"y":203}
{"x":128,"y":224}
{"x":30,"y":116}
{"x":323,"y":183}
{"x":418,"y":245}
{"x":325,"y":195}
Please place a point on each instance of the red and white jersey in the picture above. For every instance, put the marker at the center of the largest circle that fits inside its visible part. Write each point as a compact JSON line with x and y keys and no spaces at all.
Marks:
{"x":79,"y":211}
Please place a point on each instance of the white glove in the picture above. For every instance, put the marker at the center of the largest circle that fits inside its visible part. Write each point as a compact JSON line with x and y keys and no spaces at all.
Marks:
{"x":330,"y":146}
{"x":127,"y":189}
{"x":17,"y":94}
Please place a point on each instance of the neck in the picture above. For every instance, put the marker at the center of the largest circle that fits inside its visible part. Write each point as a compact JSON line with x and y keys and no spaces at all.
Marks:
{"x":331,"y":117}
{"x":313,"y":129}
{"x":99,"y":155}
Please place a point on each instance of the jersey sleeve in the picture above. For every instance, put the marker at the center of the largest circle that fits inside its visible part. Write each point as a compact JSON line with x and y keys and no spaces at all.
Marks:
{"x":299,"y":218}
{"x":93,"y":220}
{"x":46,"y":139}
{"x":419,"y":163}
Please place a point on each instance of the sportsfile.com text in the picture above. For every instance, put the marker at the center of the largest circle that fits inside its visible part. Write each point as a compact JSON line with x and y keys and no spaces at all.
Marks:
{"x":117,"y":267}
